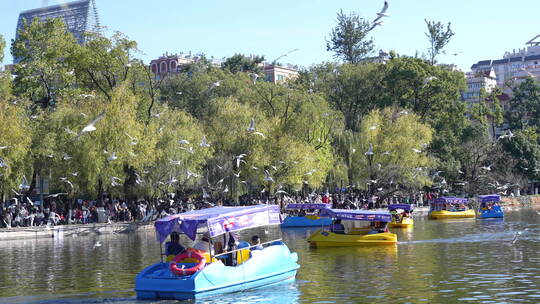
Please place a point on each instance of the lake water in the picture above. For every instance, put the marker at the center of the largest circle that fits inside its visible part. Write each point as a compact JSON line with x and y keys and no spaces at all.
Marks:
{"x":437,"y":261}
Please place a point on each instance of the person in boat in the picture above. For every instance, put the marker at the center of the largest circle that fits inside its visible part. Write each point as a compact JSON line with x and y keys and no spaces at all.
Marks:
{"x":378,"y":227}
{"x":173,"y":247}
{"x":337,"y":227}
{"x":204,"y":244}
{"x":256,"y":241}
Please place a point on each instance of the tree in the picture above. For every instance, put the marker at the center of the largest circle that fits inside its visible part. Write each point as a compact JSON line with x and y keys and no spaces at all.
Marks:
{"x":44,"y":50}
{"x":438,"y":38}
{"x":488,"y":110}
{"x":349,"y":39}
{"x":241,"y":63}
{"x":524,"y":105}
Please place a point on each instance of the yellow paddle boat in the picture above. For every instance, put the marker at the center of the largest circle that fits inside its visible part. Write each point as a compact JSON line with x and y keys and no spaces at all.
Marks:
{"x":401,"y":215}
{"x":376,"y":234}
{"x":450,"y":207}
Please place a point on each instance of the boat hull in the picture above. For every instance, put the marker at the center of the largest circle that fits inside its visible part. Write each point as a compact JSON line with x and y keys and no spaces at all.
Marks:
{"x":494,"y":212}
{"x":329,"y":239}
{"x":406,"y":222}
{"x":445,"y":214}
{"x":271,"y":265}
{"x":303,"y":221}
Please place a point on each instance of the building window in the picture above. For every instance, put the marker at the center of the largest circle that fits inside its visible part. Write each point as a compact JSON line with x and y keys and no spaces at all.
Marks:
{"x":280,"y":77}
{"x":163,"y":67}
{"x":154,"y":68}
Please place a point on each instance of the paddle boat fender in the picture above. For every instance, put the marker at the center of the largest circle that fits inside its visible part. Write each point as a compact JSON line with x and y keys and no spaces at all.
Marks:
{"x":406,"y":222}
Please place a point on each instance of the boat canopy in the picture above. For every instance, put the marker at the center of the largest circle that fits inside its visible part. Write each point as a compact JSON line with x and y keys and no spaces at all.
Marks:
{"x":309,"y":206}
{"x":489,"y":198}
{"x":405,"y":207}
{"x":218,"y":220}
{"x":450,"y":200}
{"x":358,"y":215}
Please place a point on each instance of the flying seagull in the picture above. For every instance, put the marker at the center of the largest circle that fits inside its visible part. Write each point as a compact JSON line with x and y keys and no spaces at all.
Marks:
{"x":370,"y":150}
{"x":382,"y":13}
{"x":204,"y":143}
{"x":253,"y":77}
{"x":251,"y":127}
{"x":267,"y":176}
{"x":91,"y":126}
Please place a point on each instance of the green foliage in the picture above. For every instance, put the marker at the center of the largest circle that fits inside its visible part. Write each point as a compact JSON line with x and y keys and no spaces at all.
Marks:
{"x":241,"y":63}
{"x":438,"y":38}
{"x":525,"y":105}
{"x":488,"y":110}
{"x":2,"y":46}
{"x":349,"y":39}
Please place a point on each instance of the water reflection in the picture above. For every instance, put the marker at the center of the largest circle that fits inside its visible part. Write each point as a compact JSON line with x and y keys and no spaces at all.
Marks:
{"x":435,"y":261}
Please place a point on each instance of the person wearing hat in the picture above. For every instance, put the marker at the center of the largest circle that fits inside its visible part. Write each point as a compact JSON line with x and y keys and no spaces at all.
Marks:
{"x":173,"y":247}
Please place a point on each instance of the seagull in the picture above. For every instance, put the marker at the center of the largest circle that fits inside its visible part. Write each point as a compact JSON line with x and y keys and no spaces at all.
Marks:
{"x":3,"y":163}
{"x":203,"y":143}
{"x":176,"y":162}
{"x":226,"y":189}
{"x":220,"y":181}
{"x":133,"y":140}
{"x":56,"y":194}
{"x":66,"y":157}
{"x":528,"y":73}
{"x":375,"y":24}
{"x":3,"y":147}
{"x":487,"y":168}
{"x":253,"y":77}
{"x":65,"y":180}
{"x":184,"y":142}
{"x":538,"y":212}
{"x":386,"y":153}
{"x":86,"y":96}
{"x":179,"y":93}
{"x":215,"y":84}
{"x":516,"y":235}
{"x":24,"y":184}
{"x":91,"y":126}
{"x":281,"y":191}
{"x":382,"y":13}
{"x":239,"y":159}
{"x":114,"y":182}
{"x":310,"y":172}
{"x":428,"y":79}
{"x":251,"y":127}
{"x":254,"y":168}
{"x":138,"y":179}
{"x":373,"y":127}
{"x":237,"y":174}
{"x":370,"y":150}
{"x":416,"y":150}
{"x":75,"y":173}
{"x":97,"y":244}
{"x":112,"y":157}
{"x":70,"y":131}
{"x":267,"y":176}
{"x":260,"y":134}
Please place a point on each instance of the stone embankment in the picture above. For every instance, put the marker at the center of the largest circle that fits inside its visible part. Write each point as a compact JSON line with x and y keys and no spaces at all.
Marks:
{"x":521,"y":201}
{"x":69,"y":230}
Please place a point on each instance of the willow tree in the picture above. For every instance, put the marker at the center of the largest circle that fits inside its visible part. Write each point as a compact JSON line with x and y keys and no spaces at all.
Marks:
{"x":391,"y":151}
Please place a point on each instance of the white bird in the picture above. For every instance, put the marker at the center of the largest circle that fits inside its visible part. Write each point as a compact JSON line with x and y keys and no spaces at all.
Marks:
{"x":24,"y":184}
{"x":254,"y":168}
{"x":112,"y":157}
{"x":239,"y":159}
{"x":75,"y":173}
{"x":215,"y":84}
{"x":91,"y":126}
{"x":3,"y":163}
{"x":220,"y":167}
{"x":56,"y":194}
{"x":373,"y":127}
{"x":220,"y":181}
{"x":251,"y":127}
{"x":310,"y":172}
{"x":204,"y":143}
{"x":237,"y":174}
{"x":65,"y":180}
{"x":487,"y":168}
{"x":86,"y":96}
{"x":375,"y":24}
{"x":226,"y":189}
{"x":138,"y":179}
{"x":133,"y":140}
{"x":281,"y":191}
{"x":428,"y":79}
{"x":179,"y":93}
{"x":97,"y":244}
{"x":176,"y":162}
{"x":3,"y":147}
{"x":114,"y":181}
{"x":386,"y":153}
{"x":184,"y":142}
{"x":416,"y":150}
{"x":66,"y":157}
{"x":267,"y":176}
{"x":403,"y":112}
{"x":260,"y":134}
{"x":382,"y":13}
{"x":370,"y":150}
{"x":128,"y":65}
{"x":253,"y":77}
{"x":516,"y":235}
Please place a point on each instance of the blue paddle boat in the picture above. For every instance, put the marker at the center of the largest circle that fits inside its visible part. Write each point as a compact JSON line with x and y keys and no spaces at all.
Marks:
{"x":195,"y":273}
{"x":489,"y":206}
{"x":306,"y":220}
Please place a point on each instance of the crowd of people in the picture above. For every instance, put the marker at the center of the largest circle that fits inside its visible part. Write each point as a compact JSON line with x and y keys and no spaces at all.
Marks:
{"x":23,"y":212}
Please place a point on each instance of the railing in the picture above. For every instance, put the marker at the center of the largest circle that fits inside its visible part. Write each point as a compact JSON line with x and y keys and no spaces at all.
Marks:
{"x":249,"y":247}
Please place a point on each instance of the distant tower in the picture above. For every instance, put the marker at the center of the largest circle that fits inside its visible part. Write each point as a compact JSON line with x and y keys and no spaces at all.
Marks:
{"x":79,"y":16}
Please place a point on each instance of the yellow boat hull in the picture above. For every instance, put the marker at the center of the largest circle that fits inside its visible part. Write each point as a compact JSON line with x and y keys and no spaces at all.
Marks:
{"x":445,"y":214}
{"x":329,"y":239}
{"x":405,"y":223}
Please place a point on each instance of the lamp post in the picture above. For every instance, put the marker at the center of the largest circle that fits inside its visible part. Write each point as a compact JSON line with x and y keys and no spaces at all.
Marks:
{"x":369,"y":156}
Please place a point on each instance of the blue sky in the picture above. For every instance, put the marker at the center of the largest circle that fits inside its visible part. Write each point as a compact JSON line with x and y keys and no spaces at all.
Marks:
{"x":484,"y":29}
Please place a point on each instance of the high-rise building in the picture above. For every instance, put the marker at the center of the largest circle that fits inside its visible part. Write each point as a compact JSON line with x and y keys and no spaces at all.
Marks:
{"x":79,"y":16}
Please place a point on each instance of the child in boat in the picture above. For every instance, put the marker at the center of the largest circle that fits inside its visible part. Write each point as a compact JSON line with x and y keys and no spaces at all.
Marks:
{"x":256,"y":241}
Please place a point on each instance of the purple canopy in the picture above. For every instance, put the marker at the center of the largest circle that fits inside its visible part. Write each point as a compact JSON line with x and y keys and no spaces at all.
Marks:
{"x":405,"y":207}
{"x":358,"y":215}
{"x":489,"y":198}
{"x":450,"y":200}
{"x":219,"y":220}
{"x":308,"y":206}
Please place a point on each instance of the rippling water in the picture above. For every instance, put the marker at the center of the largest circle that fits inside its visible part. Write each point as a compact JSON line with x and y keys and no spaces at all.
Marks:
{"x":439,"y":261}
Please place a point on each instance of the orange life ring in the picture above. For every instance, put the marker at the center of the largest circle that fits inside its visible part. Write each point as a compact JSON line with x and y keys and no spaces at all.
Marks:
{"x":187,"y":271}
